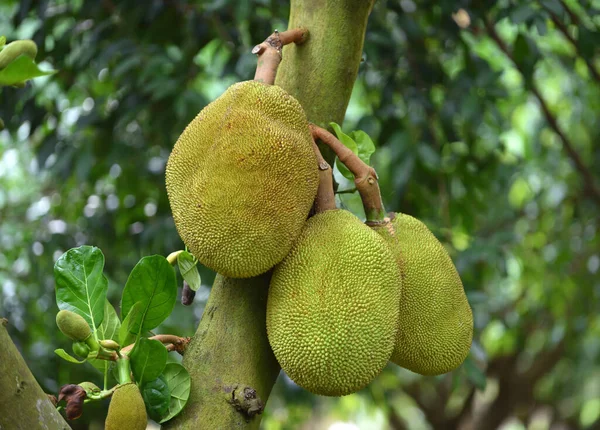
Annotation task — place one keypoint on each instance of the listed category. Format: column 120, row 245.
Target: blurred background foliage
column 485, row 115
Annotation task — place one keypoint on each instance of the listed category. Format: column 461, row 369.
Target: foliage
column 149, row 294
column 484, row 115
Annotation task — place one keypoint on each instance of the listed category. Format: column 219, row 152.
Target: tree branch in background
column 589, row 181
column 565, row 31
column 269, row 53
column 572, row 15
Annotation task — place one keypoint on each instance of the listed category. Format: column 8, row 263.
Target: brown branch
column 572, row 15
column 176, row 343
column 588, row 178
column 395, row 421
column 565, row 31
column 325, row 199
column 365, row 177
column 269, row 52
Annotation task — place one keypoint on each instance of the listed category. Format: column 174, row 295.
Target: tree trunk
column 321, row 72
column 230, row 351
column 25, row 406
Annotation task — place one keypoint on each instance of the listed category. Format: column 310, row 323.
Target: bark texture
column 321, row 72
column 229, row 357
column 25, row 406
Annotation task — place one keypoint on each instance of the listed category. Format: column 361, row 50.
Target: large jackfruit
column 436, row 321
column 127, row 409
column 242, row 178
column 333, row 305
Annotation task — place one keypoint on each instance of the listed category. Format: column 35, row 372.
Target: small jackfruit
column 81, row 349
column 126, row 409
column 242, row 178
column 73, row 325
column 333, row 305
column 15, row 49
column 436, row 321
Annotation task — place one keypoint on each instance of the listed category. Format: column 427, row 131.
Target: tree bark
column 25, row 406
column 321, row 72
column 230, row 351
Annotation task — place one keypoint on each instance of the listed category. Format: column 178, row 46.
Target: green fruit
column 436, row 322
column 242, row 178
column 333, row 305
column 14, row 49
column 81, row 349
column 127, row 409
column 73, row 325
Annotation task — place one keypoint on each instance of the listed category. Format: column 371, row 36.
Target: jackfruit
column 126, row 409
column 333, row 305
column 242, row 178
column 81, row 349
column 436, row 321
column 73, row 325
column 15, row 49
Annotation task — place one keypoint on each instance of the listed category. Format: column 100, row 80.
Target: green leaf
column 474, row 374
column 526, row 55
column 109, row 329
column 152, row 282
column 65, row 356
column 178, row 380
column 189, row 270
column 148, row 360
column 520, row 193
column 157, row 397
column 131, row 325
column 348, row 142
column 522, row 13
column 2, row 41
column 80, row 285
column 587, row 42
column 554, row 6
column 365, row 145
column 21, row 69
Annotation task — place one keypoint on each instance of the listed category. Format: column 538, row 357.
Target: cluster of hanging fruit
column 251, row 193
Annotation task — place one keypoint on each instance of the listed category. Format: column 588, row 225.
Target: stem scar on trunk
column 269, row 52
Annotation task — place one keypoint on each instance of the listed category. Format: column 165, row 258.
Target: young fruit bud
column 15, row 49
column 81, row 349
column 73, row 325
column 110, row 344
column 127, row 409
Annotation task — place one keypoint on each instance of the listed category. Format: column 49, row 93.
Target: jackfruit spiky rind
column 242, row 178
column 333, row 305
column 73, row 325
column 436, row 321
column 126, row 409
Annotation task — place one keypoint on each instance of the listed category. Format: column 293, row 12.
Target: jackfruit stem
column 365, row 177
column 269, row 52
column 325, row 199
column 123, row 370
